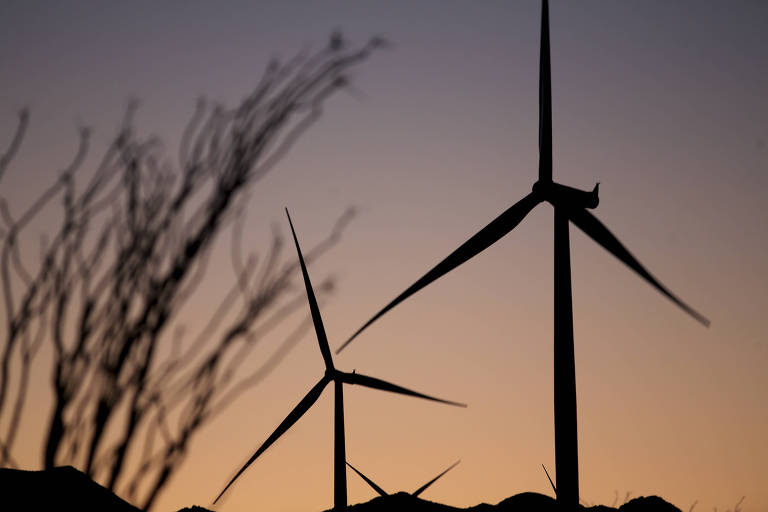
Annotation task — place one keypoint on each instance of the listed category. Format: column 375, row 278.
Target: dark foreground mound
column 62, row 489
column 524, row 502
column 65, row 489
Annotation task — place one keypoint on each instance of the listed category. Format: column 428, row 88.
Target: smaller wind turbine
column 415, row 493
column 338, row 378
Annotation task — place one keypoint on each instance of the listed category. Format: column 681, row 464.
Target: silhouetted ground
column 66, row 489
column 61, row 489
column 524, row 502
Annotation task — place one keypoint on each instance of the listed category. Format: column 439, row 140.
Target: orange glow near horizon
column 664, row 104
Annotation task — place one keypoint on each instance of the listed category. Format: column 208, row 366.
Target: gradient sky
column 664, row 102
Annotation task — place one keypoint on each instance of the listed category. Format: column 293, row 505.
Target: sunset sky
column 664, row 102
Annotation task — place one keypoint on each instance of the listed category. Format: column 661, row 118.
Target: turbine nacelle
column 563, row 195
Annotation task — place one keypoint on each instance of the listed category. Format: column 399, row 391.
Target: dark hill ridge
column 524, row 502
column 61, row 489
column 65, row 489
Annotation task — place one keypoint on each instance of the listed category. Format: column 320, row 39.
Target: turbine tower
column 570, row 204
column 415, row 493
column 338, row 378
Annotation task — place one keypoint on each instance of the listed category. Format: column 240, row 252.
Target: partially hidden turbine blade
column 370, row 482
column 371, row 382
column 596, row 230
column 554, row 489
column 484, row 238
column 424, row 487
column 287, row 423
column 322, row 339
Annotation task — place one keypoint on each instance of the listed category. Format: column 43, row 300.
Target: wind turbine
column 415, row 493
column 338, row 378
column 570, row 204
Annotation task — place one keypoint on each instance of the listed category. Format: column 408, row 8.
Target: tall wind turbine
column 415, row 493
column 338, row 378
column 570, row 204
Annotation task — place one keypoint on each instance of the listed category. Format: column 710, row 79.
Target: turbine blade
column 545, row 99
column 424, row 487
column 363, row 380
column 554, row 489
column 595, row 229
column 287, row 423
column 322, row 339
column 484, row 238
column 370, row 482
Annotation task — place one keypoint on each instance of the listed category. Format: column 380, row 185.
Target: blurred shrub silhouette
column 131, row 248
column 736, row 508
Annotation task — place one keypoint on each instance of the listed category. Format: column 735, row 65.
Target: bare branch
column 107, row 290
column 18, row 137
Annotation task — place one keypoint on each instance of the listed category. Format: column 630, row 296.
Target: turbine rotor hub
column 563, row 195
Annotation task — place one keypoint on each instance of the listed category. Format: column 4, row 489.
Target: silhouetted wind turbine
column 569, row 204
column 338, row 378
column 415, row 493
